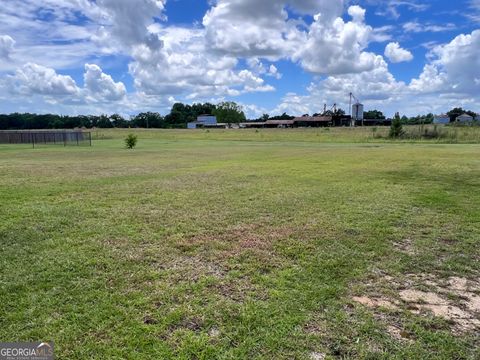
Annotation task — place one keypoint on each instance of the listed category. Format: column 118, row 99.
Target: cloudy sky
column 272, row 56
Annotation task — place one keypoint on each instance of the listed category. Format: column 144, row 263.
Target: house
column 441, row 119
column 464, row 118
column 203, row 121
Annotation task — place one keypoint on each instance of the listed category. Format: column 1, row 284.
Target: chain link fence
column 50, row 137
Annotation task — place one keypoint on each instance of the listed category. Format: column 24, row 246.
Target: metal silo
column 357, row 111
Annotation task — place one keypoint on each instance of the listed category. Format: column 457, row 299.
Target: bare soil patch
column 241, row 237
column 405, row 246
column 317, row 356
column 455, row 299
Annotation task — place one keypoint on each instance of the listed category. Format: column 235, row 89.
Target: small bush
column 131, row 141
column 396, row 130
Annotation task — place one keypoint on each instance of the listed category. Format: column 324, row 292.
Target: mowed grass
column 213, row 248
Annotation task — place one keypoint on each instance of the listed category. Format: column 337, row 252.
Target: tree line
column 420, row 119
column 179, row 116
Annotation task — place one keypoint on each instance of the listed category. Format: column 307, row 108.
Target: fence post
column 77, row 137
column 33, row 139
column 64, row 139
column 90, row 137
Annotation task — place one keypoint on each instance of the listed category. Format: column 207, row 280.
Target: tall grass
column 415, row 133
column 444, row 134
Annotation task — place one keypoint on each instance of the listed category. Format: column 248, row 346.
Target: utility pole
column 350, row 105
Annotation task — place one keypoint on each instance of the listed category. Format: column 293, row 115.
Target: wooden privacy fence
column 50, row 137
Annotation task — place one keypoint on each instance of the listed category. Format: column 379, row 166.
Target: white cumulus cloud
column 100, row 86
column 396, row 54
column 37, row 79
column 454, row 67
column 337, row 47
column 6, row 46
column 126, row 22
column 375, row 88
column 250, row 28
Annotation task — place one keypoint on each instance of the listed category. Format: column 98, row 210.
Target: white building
column 464, row 118
column 203, row 121
column 441, row 119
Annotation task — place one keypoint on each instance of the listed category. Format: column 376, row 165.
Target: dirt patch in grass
column 454, row 299
column 317, row 356
column 149, row 320
column 224, row 262
column 375, row 302
column 405, row 246
column 238, row 290
column 193, row 268
column 194, row 324
column 316, row 325
column 234, row 240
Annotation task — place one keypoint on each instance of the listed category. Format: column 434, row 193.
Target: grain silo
column 357, row 111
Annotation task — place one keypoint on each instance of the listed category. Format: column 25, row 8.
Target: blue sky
column 271, row 56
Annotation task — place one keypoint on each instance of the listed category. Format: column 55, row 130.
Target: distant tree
column 429, row 118
column 148, row 120
column 284, row 116
column 84, row 121
column 4, row 122
column 336, row 112
column 396, row 129
column 104, row 122
column 374, row 114
column 418, row 120
column 263, row 118
column 178, row 117
column 94, row 120
column 456, row 112
column 202, row 109
column 58, row 124
column 181, row 114
column 229, row 112
column 118, row 121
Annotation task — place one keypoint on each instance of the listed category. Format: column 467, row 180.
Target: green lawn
column 199, row 245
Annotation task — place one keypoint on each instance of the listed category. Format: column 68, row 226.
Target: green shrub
column 396, row 130
column 131, row 141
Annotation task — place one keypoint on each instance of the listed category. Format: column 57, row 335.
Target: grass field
column 287, row 245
